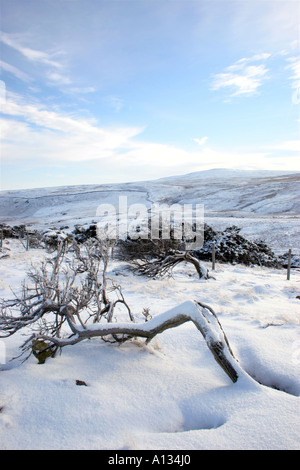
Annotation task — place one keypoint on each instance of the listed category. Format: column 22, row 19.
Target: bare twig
column 77, row 277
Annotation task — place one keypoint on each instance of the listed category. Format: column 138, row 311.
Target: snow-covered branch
column 203, row 317
column 71, row 292
column 164, row 264
column 74, row 278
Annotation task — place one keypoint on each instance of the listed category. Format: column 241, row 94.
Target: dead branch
column 74, row 277
column 201, row 315
column 159, row 267
column 70, row 289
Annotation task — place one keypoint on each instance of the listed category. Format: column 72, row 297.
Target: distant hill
column 265, row 204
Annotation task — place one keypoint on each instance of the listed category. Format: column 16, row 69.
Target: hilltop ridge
column 265, row 204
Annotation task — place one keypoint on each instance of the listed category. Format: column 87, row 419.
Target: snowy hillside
column 170, row 393
column 265, row 204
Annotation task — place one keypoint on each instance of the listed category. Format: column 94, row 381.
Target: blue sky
column 105, row 91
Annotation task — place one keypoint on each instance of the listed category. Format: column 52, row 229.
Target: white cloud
column 289, row 145
column 115, row 103
column 200, row 141
column 243, row 78
column 151, row 157
column 294, row 66
column 81, row 90
column 49, row 134
column 14, row 71
column 32, row 55
column 159, row 155
column 53, row 70
column 58, row 78
column 35, row 134
column 238, row 65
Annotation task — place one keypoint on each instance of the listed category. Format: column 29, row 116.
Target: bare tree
column 156, row 258
column 161, row 266
column 76, row 277
column 69, row 293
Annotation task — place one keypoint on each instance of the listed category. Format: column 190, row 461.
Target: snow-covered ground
column 265, row 204
column 170, row 394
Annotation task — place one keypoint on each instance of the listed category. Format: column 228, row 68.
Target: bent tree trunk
column 203, row 317
column 164, row 264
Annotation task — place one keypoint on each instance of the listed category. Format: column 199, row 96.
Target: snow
column 252, row 200
column 170, row 394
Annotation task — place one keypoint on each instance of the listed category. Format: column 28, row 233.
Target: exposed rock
column 295, row 260
column 232, row 247
column 84, row 232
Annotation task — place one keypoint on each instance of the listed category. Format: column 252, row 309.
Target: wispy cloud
column 57, row 78
column 62, row 139
column 33, row 55
column 52, row 70
column 14, row 71
column 294, row 66
column 243, row 77
column 82, row 90
column 57, row 136
column 115, row 103
column 200, row 141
